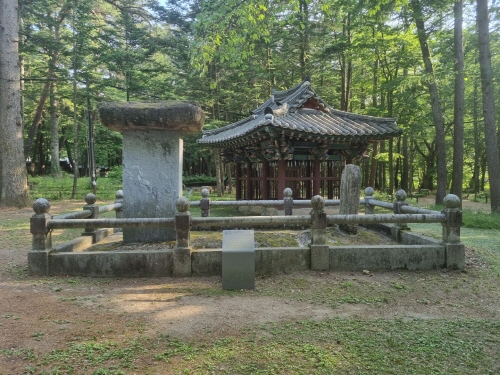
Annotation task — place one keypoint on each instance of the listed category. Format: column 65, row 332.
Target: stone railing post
column 182, row 249
column 288, row 201
column 398, row 227
column 90, row 199
column 119, row 211
column 400, row 202
column 455, row 250
column 205, row 203
column 369, row 209
column 38, row 257
column 320, row 253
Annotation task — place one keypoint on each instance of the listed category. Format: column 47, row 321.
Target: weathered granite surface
column 152, row 159
column 350, row 188
column 182, row 116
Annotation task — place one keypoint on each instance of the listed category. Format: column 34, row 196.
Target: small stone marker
column 238, row 259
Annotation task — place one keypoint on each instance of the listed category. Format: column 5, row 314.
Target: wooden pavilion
column 298, row 141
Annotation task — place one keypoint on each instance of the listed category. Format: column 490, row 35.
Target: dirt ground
column 50, row 312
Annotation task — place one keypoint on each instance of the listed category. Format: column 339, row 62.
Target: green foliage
column 480, row 220
column 55, row 189
column 198, row 180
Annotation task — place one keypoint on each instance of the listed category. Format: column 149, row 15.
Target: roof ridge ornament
column 268, row 113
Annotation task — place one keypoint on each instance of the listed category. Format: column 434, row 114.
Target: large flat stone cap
column 180, row 116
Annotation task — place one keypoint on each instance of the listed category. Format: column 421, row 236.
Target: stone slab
column 387, row 257
column 174, row 115
column 238, row 259
column 320, row 257
column 138, row 263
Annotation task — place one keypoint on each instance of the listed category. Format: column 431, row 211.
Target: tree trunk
column 435, row 104
column 405, row 185
column 376, row 66
column 55, row 170
column 459, row 102
column 304, row 42
column 346, row 68
column 13, row 175
column 390, row 161
column 373, row 166
column 218, row 172
column 229, row 178
column 477, row 147
column 490, row 132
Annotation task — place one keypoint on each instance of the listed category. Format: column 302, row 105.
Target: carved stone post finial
column 400, row 202
column 369, row 209
column 205, row 203
column 90, row 199
column 38, row 257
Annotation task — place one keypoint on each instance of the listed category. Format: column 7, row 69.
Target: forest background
column 430, row 64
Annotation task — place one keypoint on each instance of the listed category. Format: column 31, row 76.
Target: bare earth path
column 38, row 315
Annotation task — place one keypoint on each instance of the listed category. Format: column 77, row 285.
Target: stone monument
column 350, row 190
column 152, row 159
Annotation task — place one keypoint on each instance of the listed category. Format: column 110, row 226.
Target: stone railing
column 42, row 224
column 288, row 203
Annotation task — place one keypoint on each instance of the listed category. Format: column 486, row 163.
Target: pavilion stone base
column 152, row 181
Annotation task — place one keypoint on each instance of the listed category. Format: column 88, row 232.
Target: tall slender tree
column 488, row 94
column 437, row 113
column 458, row 110
column 13, row 176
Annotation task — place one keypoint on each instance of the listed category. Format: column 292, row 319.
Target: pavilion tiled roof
column 301, row 112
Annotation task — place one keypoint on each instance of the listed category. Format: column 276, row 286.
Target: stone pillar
column 350, row 186
column 182, row 250
column 320, row 253
column 369, row 209
column 38, row 256
column 90, row 199
column 152, row 159
column 119, row 211
column 205, row 203
column 455, row 250
column 288, row 202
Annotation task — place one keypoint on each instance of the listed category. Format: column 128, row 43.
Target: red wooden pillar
column 237, row 177
column 265, row 180
column 249, row 195
column 281, row 178
column 316, row 177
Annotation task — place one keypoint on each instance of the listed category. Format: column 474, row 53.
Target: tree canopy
column 382, row 58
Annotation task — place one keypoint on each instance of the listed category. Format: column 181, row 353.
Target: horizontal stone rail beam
column 377, row 219
column 74, row 215
column 111, row 223
column 110, row 207
column 388, row 205
column 248, row 221
column 417, row 210
column 269, row 203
